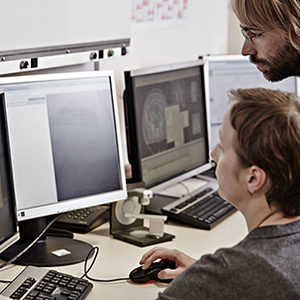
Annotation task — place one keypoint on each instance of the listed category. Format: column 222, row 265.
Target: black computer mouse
column 142, row 276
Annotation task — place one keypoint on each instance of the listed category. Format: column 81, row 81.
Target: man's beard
column 284, row 64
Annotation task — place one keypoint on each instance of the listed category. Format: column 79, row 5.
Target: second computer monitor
column 225, row 72
column 9, row 230
column 166, row 123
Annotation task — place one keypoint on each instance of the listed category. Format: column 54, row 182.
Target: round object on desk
column 130, row 205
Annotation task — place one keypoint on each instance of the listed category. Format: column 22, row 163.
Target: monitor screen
column 225, row 72
column 9, row 230
column 65, row 143
column 166, row 123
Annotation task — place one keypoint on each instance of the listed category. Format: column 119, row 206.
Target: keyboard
column 204, row 209
column 35, row 283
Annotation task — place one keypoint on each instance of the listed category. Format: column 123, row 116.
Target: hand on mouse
column 181, row 260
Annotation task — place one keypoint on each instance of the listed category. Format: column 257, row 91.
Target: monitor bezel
column 15, row 236
column 131, row 133
column 84, row 202
column 10, row 241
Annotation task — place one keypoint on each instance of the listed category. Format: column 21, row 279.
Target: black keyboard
column 203, row 210
column 35, row 283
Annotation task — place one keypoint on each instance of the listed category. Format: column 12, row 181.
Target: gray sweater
column 265, row 265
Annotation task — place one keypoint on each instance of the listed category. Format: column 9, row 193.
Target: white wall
column 235, row 38
column 34, row 28
column 206, row 32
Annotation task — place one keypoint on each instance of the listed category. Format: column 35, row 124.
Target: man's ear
column 257, row 178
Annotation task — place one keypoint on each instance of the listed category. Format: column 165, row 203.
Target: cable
column 96, row 249
column 5, row 281
column 187, row 189
column 30, row 245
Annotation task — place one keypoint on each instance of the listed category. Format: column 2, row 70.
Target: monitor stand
column 48, row 251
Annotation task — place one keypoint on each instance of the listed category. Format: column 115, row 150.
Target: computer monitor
column 65, row 152
column 225, row 72
column 166, row 125
column 9, row 230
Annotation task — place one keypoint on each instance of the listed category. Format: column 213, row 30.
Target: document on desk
column 182, row 189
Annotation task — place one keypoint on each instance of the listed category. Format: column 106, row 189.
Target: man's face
column 273, row 55
column 229, row 173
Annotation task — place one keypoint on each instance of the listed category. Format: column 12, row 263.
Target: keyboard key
column 181, row 205
column 80, row 287
column 191, row 200
column 201, row 194
column 221, row 212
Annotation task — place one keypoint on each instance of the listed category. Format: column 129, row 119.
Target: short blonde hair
column 268, row 135
column 266, row 15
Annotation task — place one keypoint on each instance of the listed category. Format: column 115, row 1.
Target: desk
column 117, row 258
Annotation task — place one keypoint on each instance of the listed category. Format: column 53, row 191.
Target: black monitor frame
column 132, row 124
column 9, row 232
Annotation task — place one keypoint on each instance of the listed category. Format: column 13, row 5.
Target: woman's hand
column 181, row 260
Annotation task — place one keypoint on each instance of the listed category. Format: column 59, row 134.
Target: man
column 272, row 35
column 258, row 161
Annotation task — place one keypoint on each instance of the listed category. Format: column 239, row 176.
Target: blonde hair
column 266, row 15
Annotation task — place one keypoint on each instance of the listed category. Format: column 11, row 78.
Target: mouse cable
column 95, row 251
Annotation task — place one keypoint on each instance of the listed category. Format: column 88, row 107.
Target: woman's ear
column 257, row 178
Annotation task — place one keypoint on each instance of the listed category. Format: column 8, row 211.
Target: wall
column 206, row 32
column 235, row 38
column 36, row 28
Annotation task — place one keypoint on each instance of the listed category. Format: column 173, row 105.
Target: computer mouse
column 142, row 276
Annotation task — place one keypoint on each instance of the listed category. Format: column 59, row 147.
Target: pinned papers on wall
column 150, row 15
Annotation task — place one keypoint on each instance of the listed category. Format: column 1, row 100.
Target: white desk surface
column 117, row 258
